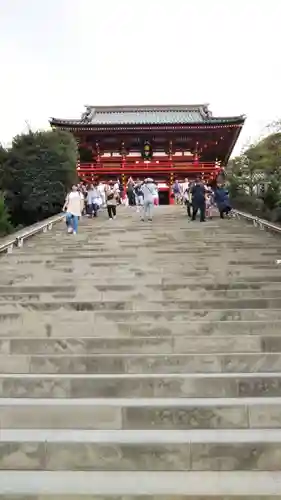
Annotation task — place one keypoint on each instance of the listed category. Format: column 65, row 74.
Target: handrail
column 257, row 222
column 17, row 239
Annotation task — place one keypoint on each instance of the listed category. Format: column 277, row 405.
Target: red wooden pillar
column 171, row 183
column 171, row 180
column 98, row 153
column 171, row 197
column 78, row 164
column 196, row 155
column 123, row 163
column 196, row 159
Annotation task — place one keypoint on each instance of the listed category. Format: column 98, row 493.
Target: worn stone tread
column 150, row 351
column 141, row 436
column 248, row 484
column 195, row 362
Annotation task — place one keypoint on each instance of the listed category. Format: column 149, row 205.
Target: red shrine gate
column 163, row 142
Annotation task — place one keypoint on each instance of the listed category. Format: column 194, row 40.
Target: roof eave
column 235, row 138
column 239, row 121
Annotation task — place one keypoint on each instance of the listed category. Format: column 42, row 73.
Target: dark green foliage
column 5, row 224
column 40, row 167
column 3, row 159
column 254, row 178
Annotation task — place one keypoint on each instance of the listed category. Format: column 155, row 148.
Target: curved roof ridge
column 146, row 107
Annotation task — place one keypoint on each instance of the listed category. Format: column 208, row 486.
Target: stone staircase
column 142, row 361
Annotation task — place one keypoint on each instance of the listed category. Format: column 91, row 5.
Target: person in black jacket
column 198, row 192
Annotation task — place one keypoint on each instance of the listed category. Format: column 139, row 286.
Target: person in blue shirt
column 222, row 201
column 177, row 192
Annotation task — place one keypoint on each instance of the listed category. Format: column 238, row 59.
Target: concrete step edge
column 233, row 483
column 142, row 402
column 135, row 338
column 220, row 286
column 155, row 436
column 66, row 303
column 140, row 376
column 144, row 356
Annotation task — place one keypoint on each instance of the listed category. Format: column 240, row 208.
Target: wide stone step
column 123, row 285
column 102, row 316
column 53, row 277
column 142, row 294
column 136, row 363
column 140, row 413
column 181, row 295
column 41, row 326
column 150, row 450
column 142, row 385
column 157, row 344
column 196, row 255
column 125, row 485
column 166, row 305
column 124, row 269
column 208, row 264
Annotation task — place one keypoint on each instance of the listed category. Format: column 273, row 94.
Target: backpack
column 138, row 191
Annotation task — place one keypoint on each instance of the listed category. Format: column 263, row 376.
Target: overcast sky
column 58, row 55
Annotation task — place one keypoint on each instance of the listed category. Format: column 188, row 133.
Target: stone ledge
column 205, row 484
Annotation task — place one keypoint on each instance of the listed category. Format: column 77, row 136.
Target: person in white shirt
column 73, row 206
column 185, row 186
column 117, row 191
column 93, row 199
column 149, row 193
column 101, row 190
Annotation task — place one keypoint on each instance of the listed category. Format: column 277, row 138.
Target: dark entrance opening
column 164, row 198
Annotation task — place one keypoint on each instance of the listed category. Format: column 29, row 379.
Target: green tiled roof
column 143, row 117
column 147, row 115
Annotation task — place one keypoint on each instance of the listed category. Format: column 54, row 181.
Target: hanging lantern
column 147, row 151
column 170, row 149
column 196, row 157
column 98, row 151
column 123, row 150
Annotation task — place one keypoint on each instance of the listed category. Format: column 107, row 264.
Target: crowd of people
column 89, row 199
column 200, row 197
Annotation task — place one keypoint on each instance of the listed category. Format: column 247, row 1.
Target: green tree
column 266, row 155
column 256, row 174
column 5, row 224
column 3, row 159
column 40, row 167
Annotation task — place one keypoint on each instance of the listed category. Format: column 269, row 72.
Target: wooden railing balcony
column 152, row 167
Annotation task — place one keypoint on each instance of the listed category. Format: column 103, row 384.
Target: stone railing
column 17, row 239
column 257, row 221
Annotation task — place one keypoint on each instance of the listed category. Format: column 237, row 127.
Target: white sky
column 57, row 55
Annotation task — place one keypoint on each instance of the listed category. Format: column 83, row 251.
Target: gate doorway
column 164, row 197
